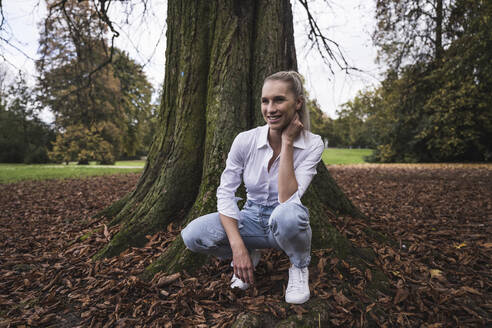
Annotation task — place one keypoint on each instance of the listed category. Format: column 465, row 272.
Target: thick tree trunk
column 218, row 54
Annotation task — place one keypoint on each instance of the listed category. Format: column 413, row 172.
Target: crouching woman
column 277, row 162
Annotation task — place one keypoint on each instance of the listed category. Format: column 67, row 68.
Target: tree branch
column 7, row 42
column 2, row 21
column 103, row 14
column 101, row 8
column 324, row 44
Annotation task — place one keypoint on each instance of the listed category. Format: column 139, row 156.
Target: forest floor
column 440, row 267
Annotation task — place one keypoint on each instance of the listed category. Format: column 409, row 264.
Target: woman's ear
column 299, row 102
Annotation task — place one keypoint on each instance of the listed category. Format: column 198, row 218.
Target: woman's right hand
column 243, row 267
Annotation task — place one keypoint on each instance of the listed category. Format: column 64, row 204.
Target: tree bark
column 218, row 54
column 438, row 37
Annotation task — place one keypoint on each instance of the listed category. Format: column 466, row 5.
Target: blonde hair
column 295, row 81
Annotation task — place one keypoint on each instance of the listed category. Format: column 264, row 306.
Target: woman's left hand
column 292, row 130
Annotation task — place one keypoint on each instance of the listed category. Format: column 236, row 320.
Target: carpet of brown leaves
column 440, row 267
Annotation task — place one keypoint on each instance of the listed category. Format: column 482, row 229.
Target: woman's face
column 278, row 104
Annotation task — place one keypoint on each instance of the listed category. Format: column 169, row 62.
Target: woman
column 277, row 162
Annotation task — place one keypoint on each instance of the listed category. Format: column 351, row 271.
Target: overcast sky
column 348, row 22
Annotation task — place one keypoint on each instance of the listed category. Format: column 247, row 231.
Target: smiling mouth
column 273, row 118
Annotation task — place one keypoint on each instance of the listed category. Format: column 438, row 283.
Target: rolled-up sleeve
column 231, row 179
column 306, row 170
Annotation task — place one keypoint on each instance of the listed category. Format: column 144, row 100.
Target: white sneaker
column 298, row 288
column 238, row 283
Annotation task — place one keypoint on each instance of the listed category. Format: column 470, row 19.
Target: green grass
column 17, row 172
column 345, row 155
column 130, row 163
column 138, row 163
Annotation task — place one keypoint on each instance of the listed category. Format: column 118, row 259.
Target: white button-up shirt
column 248, row 159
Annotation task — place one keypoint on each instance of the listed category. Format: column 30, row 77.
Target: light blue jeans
column 288, row 230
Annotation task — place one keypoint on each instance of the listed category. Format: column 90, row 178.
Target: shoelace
column 298, row 281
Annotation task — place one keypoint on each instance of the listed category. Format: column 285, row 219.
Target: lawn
column 345, row 155
column 130, row 163
column 17, row 172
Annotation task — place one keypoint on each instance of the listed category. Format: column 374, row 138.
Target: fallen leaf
column 340, row 298
column 369, row 307
column 166, row 280
column 471, row 290
column 401, row 295
column 106, row 233
column 458, row 246
column 436, row 274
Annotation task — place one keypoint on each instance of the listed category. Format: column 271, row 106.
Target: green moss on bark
column 112, row 210
column 175, row 259
column 168, row 185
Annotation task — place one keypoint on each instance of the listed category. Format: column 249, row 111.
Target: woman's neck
column 275, row 139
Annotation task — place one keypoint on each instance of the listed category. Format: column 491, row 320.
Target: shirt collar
column 262, row 140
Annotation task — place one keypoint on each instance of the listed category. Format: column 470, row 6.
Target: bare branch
column 101, row 8
column 7, row 42
column 2, row 21
column 103, row 14
column 325, row 45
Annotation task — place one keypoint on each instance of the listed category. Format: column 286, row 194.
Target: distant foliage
column 411, row 31
column 80, row 144
column 354, row 127
column 320, row 122
column 435, row 103
column 24, row 138
column 136, row 102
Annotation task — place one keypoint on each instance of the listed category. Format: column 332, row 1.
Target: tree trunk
column 438, row 37
column 218, row 54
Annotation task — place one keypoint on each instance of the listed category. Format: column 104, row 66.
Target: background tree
column 112, row 101
column 459, row 110
column 439, row 103
column 360, row 122
column 72, row 44
column 349, row 125
column 24, row 138
column 320, row 122
column 410, row 32
column 136, row 102
column 369, row 116
column 80, row 144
